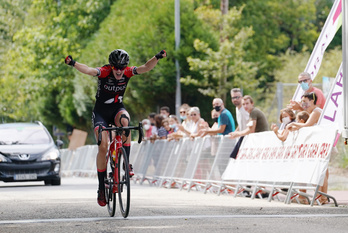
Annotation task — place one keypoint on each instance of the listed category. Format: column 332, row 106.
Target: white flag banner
column 331, row 26
column 302, row 158
column 333, row 109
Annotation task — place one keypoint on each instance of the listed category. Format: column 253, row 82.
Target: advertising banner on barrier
column 333, row 109
column 302, row 158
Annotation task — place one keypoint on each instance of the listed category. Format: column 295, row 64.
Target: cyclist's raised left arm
column 150, row 64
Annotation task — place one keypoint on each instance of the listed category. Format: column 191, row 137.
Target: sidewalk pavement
column 338, row 187
column 341, row 196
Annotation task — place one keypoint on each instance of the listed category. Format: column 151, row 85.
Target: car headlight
column 2, row 159
column 51, row 155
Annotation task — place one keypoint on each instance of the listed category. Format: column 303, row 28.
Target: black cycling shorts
column 105, row 114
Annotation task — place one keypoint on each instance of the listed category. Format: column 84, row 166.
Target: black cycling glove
column 160, row 54
column 72, row 62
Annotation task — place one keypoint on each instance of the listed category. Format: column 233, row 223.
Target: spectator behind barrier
column 151, row 117
column 257, row 123
column 164, row 130
column 197, row 123
column 286, row 116
column 184, row 108
column 305, row 80
column 226, row 123
column 308, row 103
column 158, row 125
column 215, row 117
column 173, row 123
column 148, row 128
column 241, row 115
column 186, row 123
column 165, row 112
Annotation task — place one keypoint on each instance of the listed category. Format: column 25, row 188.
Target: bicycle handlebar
column 120, row 130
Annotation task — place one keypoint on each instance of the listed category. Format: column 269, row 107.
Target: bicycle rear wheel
column 123, row 185
column 109, row 194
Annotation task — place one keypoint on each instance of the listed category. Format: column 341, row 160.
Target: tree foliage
column 228, row 66
column 35, row 37
column 37, row 82
column 143, row 32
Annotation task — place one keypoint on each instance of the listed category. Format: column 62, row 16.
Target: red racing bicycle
column 118, row 178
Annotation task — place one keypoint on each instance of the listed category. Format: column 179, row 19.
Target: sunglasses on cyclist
column 118, row 68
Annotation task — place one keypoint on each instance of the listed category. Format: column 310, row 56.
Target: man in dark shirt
column 257, row 119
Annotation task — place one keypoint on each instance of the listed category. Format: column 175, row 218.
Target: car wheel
column 55, row 181
column 47, row 182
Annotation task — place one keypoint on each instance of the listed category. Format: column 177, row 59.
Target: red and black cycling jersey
column 110, row 90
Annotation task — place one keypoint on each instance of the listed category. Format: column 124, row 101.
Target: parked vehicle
column 28, row 153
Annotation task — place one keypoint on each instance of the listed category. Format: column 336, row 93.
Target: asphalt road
column 72, row 207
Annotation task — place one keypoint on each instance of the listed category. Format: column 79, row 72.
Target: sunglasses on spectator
column 303, row 81
column 118, row 68
column 236, row 97
column 182, row 112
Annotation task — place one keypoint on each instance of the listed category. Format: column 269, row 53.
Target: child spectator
column 173, row 123
column 286, row 116
column 301, row 117
column 158, row 124
column 164, row 130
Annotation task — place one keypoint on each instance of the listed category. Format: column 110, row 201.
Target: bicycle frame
column 117, row 183
column 114, row 146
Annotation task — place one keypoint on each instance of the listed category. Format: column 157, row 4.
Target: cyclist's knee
column 124, row 119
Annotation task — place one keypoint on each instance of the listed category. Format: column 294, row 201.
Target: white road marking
column 27, row 221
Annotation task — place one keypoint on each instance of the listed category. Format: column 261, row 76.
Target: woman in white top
column 308, row 102
column 197, row 123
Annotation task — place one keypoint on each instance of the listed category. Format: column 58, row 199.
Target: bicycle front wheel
column 109, row 194
column 123, row 184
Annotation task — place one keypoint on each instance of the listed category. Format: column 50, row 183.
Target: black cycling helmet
column 119, row 58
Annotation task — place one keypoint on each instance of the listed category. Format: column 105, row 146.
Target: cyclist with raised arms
column 109, row 109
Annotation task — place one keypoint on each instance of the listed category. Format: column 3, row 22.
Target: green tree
column 228, row 66
column 142, row 32
column 40, row 86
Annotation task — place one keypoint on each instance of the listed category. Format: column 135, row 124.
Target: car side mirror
column 59, row 143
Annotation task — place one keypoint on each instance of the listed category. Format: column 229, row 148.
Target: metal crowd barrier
column 185, row 164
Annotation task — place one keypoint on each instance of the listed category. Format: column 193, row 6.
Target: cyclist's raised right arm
column 81, row 67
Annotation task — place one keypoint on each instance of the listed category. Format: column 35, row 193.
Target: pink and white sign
column 331, row 26
column 302, row 158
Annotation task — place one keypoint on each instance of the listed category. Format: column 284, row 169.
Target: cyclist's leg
column 122, row 119
column 101, row 156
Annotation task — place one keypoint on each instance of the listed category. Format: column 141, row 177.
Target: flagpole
column 327, row 34
column 345, row 64
column 177, row 65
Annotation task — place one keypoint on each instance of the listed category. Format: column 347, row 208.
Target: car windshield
column 23, row 135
